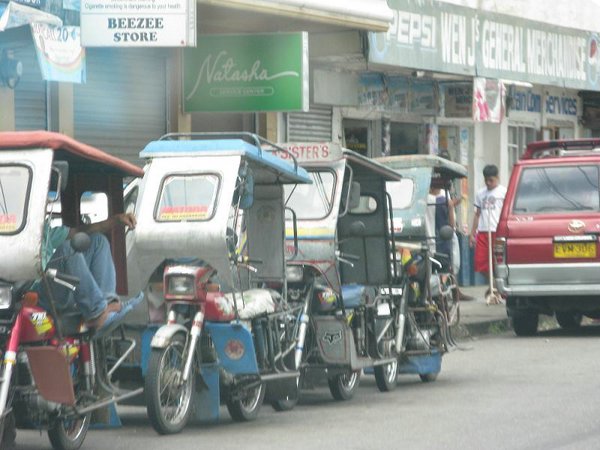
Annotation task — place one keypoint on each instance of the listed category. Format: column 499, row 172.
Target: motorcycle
column 53, row 372
column 428, row 274
column 211, row 218
column 352, row 312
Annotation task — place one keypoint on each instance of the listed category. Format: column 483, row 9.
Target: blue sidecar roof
column 286, row 172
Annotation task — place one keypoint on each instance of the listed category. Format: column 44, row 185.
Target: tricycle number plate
column 574, row 249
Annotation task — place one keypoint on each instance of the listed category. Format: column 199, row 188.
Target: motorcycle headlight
column 294, row 274
column 180, row 285
column 5, row 296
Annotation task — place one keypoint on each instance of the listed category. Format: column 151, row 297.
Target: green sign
column 253, row 72
column 437, row 36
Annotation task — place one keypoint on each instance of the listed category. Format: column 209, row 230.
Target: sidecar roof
column 444, row 167
column 286, row 172
column 68, row 149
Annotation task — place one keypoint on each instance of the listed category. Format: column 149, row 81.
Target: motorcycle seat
column 253, row 302
column 355, row 295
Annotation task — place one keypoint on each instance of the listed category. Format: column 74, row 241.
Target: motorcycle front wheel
column 69, row 434
column 247, row 407
column 168, row 398
column 8, row 432
column 343, row 386
column 385, row 376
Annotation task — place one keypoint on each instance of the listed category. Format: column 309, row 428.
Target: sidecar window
column 312, row 201
column 15, row 182
column 402, row 192
column 187, row 198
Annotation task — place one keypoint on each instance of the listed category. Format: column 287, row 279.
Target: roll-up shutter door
column 312, row 126
column 30, row 94
column 123, row 104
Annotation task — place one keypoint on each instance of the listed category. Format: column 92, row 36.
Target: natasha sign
column 433, row 35
column 140, row 23
column 254, row 72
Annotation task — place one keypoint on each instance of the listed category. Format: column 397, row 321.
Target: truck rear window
column 557, row 189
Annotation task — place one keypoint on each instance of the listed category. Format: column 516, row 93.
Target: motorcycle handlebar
column 68, row 281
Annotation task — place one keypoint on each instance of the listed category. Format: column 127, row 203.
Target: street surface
column 500, row 392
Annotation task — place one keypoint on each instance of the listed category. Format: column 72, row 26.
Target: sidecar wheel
column 429, row 377
column 342, row 387
column 385, row 376
column 69, row 434
column 288, row 403
column 169, row 403
column 8, row 433
column 247, row 408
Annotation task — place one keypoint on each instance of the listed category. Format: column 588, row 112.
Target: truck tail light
column 500, row 250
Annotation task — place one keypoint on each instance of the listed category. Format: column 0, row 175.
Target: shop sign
column 437, row 36
column 310, row 151
column 140, row 23
column 524, row 100
column 488, row 100
column 457, row 99
column 253, row 72
column 560, row 104
column 372, row 92
column 422, row 97
column 398, row 93
column 59, row 52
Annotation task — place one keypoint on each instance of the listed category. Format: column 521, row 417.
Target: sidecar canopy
column 281, row 171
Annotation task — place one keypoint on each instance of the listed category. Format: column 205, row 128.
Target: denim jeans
column 97, row 280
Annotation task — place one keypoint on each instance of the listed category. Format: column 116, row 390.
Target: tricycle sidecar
column 427, row 259
column 53, row 372
column 211, row 227
column 341, row 274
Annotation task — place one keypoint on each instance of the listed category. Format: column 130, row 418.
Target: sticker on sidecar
column 8, row 223
column 41, row 322
column 234, row 349
column 181, row 213
column 332, row 338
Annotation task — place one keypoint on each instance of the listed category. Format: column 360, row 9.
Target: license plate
column 574, row 249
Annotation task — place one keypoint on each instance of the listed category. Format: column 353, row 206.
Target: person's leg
column 88, row 296
column 99, row 260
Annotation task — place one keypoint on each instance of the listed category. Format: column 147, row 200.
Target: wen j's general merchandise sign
column 139, row 23
column 254, row 72
column 432, row 35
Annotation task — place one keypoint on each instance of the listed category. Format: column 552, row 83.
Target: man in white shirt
column 488, row 205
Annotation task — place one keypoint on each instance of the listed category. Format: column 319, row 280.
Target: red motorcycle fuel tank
column 37, row 325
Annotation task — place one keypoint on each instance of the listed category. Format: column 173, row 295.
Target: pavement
column 477, row 318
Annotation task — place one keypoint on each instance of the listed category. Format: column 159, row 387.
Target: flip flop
column 115, row 317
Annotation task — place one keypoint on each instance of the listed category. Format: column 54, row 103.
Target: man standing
column 488, row 205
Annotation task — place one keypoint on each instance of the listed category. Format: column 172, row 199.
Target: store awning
column 370, row 15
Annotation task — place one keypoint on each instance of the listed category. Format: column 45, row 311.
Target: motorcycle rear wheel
column 69, row 434
column 168, row 402
column 343, row 386
column 246, row 409
column 385, row 376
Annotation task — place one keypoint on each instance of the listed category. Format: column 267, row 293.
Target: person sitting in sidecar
column 95, row 297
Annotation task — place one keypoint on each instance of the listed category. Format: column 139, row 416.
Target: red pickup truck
column 546, row 247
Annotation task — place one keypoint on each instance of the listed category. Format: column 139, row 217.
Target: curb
column 476, row 329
